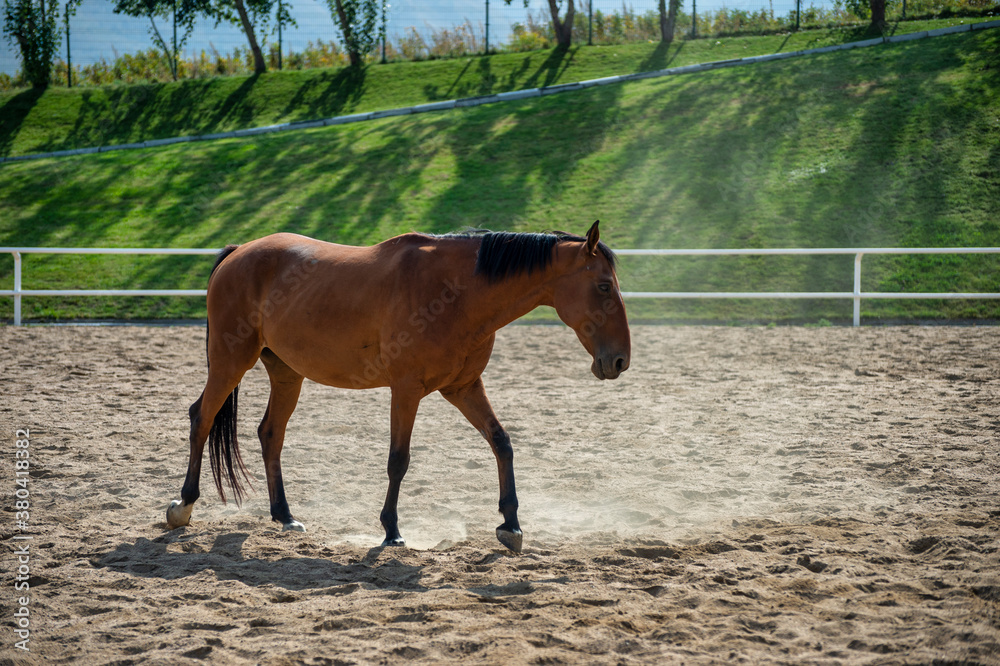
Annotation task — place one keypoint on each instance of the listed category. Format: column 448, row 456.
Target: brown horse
column 415, row 313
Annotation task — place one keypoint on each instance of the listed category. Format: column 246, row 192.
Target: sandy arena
column 756, row 495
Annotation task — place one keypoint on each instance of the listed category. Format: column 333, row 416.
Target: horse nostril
column 620, row 364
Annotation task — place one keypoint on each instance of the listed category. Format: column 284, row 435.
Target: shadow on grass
column 483, row 80
column 117, row 115
column 550, row 71
column 234, row 111
column 510, row 160
column 331, row 93
column 13, row 115
column 661, row 57
column 432, row 93
column 122, row 114
column 781, row 47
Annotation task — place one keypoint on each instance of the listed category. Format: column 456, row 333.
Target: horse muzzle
column 609, row 366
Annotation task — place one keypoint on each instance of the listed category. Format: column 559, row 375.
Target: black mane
column 503, row 254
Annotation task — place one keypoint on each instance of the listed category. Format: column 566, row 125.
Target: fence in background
column 18, row 292
column 855, row 295
column 98, row 33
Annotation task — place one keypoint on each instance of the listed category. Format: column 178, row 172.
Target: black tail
column 223, row 446
column 224, row 451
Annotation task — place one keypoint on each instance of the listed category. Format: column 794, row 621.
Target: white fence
column 18, row 292
column 855, row 295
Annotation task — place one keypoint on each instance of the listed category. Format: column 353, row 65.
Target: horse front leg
column 403, row 414
column 475, row 406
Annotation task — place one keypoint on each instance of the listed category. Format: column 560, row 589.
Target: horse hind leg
column 285, row 387
column 179, row 511
column 214, row 413
column 217, row 403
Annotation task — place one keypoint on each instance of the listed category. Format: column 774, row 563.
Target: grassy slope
column 61, row 118
column 898, row 145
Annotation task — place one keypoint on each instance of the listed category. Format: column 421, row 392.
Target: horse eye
column 604, row 288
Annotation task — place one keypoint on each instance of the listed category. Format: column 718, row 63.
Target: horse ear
column 593, row 235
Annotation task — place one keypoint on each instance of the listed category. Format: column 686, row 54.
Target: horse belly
column 328, row 337
column 355, row 369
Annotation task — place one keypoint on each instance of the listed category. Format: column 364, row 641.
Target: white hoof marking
column 511, row 540
column 294, row 526
column 178, row 515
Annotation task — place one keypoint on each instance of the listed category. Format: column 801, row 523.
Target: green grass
column 63, row 118
column 897, row 145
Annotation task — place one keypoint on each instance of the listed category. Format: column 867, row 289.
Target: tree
column 562, row 28
column 34, row 26
column 251, row 16
column 878, row 14
column 259, row 66
column 359, row 26
column 668, row 20
column 248, row 14
column 183, row 12
column 873, row 8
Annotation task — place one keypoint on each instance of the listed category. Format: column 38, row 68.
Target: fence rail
column 857, row 295
column 18, row 292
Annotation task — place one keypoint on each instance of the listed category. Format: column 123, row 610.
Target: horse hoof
column 511, row 539
column 398, row 541
column 294, row 526
column 178, row 514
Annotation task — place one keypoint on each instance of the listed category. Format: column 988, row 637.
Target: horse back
column 342, row 315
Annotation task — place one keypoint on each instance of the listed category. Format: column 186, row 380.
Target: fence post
column 384, row 30
column 694, row 18
column 175, row 55
column 279, row 38
column 590, row 22
column 857, row 288
column 17, row 288
column 69, row 59
column 486, row 47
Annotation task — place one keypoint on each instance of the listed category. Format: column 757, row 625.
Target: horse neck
column 512, row 298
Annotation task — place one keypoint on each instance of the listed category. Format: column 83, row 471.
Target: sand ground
column 756, row 495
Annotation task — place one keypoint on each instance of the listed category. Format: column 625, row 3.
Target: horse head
column 587, row 298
